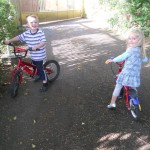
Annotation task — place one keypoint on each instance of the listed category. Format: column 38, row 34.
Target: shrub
column 8, row 23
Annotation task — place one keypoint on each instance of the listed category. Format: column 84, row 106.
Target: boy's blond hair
column 32, row 16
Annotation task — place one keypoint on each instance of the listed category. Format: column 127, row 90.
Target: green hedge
column 8, row 24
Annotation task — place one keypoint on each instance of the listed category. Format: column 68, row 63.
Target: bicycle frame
column 22, row 65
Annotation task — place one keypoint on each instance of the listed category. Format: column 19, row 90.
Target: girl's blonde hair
column 139, row 33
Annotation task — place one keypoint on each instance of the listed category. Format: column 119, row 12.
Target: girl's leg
column 115, row 94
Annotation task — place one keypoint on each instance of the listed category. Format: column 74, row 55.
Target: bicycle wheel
column 52, row 69
column 15, row 84
column 135, row 109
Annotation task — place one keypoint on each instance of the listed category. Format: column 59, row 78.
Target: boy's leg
column 42, row 75
column 37, row 76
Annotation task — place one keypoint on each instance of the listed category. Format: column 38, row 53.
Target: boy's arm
column 16, row 38
column 39, row 46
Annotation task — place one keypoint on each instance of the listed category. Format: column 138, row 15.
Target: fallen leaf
column 15, row 118
column 33, row 146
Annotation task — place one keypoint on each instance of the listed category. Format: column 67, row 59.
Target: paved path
column 72, row 115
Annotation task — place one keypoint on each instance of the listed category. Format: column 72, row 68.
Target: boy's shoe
column 44, row 87
column 111, row 106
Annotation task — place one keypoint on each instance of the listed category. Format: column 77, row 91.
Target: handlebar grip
column 30, row 49
column 10, row 44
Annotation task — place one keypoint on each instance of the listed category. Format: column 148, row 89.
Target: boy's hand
column 108, row 61
column 6, row 42
column 34, row 48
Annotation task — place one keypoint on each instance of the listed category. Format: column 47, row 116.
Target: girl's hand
column 108, row 61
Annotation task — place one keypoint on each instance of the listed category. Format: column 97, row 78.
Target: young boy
column 35, row 38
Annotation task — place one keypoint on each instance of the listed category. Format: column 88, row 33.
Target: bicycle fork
column 136, row 102
column 14, row 72
column 131, row 95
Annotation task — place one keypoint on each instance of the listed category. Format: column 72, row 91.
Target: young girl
column 133, row 56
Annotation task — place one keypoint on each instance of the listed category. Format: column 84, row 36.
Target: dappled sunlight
column 110, row 137
column 107, row 141
column 78, row 42
column 82, row 49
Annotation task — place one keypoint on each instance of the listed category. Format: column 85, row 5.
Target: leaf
column 15, row 118
column 33, row 145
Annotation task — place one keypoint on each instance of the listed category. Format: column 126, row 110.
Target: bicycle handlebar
column 120, row 64
column 18, row 50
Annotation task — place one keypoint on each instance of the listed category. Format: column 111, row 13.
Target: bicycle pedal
column 128, row 108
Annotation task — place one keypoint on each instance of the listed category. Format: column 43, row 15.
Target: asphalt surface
column 72, row 114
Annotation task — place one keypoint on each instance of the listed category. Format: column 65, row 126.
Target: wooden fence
column 49, row 10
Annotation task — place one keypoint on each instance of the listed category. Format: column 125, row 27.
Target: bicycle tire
column 52, row 69
column 15, row 84
column 135, row 109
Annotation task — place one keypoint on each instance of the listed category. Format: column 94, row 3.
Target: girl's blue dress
column 130, row 74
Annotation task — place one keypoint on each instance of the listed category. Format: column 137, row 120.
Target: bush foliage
column 8, row 24
column 129, row 13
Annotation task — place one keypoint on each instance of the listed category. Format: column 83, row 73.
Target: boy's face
column 32, row 23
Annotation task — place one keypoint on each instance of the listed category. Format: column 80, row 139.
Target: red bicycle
column 51, row 67
column 130, row 95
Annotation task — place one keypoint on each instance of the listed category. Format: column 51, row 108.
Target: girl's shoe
column 111, row 106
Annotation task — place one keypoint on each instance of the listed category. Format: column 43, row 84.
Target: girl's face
column 32, row 23
column 133, row 40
